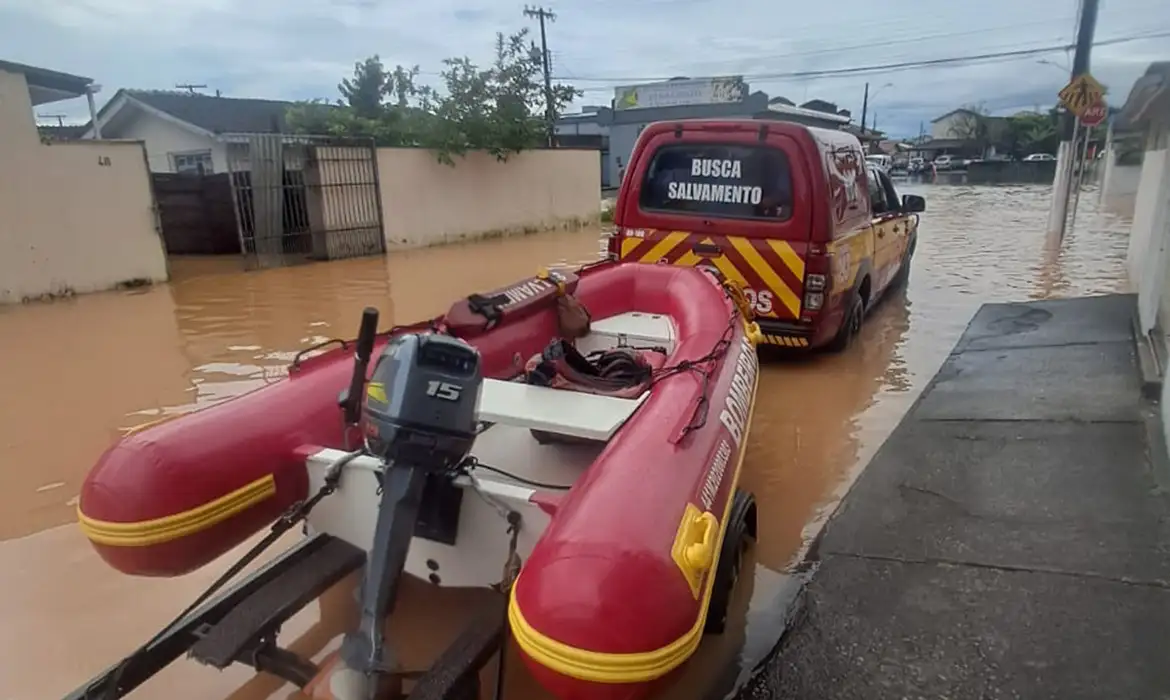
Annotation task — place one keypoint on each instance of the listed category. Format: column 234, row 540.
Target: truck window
column 877, row 193
column 893, row 202
column 727, row 181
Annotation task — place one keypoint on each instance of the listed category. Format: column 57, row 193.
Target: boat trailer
column 414, row 431
column 242, row 624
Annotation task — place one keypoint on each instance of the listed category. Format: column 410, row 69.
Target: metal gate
column 304, row 198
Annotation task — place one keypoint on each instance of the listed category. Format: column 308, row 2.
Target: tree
column 367, row 88
column 499, row 109
column 1032, row 132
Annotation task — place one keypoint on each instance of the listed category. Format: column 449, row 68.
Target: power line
column 901, row 40
column 895, row 67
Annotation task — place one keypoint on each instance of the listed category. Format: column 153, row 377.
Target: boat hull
column 614, row 596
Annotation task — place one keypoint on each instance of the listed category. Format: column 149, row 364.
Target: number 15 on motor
column 444, row 390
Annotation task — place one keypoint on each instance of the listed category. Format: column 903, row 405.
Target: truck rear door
column 725, row 198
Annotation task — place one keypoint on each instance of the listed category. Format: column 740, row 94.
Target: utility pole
column 189, row 87
column 549, row 112
column 864, row 107
column 1066, row 155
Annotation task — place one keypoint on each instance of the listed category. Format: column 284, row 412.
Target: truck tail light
column 817, row 278
column 611, row 244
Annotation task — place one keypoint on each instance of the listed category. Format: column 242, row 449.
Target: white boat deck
column 574, row 413
column 529, row 466
column 558, row 411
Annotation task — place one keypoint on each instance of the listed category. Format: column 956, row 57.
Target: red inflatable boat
column 632, row 522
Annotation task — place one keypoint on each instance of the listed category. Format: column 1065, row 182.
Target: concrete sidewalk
column 1009, row 540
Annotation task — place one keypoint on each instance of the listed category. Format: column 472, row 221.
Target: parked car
column 1039, row 157
column 782, row 209
column 945, row 163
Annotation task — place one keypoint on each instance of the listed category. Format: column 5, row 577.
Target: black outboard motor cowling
column 421, row 401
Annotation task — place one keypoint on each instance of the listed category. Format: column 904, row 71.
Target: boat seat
column 572, row 413
column 633, row 328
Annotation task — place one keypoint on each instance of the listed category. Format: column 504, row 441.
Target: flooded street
column 79, row 372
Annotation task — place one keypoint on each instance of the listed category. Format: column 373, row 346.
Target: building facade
column 1148, row 109
column 728, row 97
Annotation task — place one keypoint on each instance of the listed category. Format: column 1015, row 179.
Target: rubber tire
column 850, row 328
column 903, row 275
column 735, row 541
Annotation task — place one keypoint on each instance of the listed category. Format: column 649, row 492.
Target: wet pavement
column 81, row 371
column 1010, row 539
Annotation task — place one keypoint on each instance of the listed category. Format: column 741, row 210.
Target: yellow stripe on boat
column 172, row 527
column 636, row 667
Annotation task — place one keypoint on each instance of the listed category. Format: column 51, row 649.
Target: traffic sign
column 1095, row 114
column 1081, row 93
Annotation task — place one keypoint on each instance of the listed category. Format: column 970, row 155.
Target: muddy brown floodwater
column 78, row 372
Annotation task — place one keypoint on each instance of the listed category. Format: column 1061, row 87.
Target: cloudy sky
column 297, row 49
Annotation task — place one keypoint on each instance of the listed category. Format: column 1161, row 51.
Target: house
column 1148, row 109
column 966, row 133
column 188, row 132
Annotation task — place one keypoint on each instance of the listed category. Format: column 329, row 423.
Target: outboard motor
column 421, row 401
column 420, row 417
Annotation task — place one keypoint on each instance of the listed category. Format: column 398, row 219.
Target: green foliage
column 500, row 109
column 1033, row 132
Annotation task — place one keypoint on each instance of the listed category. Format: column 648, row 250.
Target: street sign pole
column 1079, row 88
column 1085, row 131
column 1084, row 100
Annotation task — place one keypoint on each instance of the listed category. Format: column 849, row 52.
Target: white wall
column 426, row 203
column 163, row 137
column 75, row 216
column 1146, row 236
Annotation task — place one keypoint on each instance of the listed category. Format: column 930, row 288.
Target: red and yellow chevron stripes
column 767, row 265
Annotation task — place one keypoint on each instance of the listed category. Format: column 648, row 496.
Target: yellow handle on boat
column 754, row 334
column 695, row 545
column 740, row 299
column 544, row 274
column 701, row 554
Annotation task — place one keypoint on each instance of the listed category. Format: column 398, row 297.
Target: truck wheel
column 740, row 529
column 903, row 275
column 850, row 327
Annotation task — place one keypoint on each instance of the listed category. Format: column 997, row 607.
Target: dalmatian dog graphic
column 844, row 169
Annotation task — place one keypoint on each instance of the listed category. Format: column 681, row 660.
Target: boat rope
column 511, row 573
column 109, row 688
column 703, row 366
column 469, row 465
column 435, row 325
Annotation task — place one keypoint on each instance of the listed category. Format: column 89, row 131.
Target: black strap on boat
column 490, row 308
column 109, row 689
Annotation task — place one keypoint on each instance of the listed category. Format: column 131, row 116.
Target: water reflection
column 78, row 372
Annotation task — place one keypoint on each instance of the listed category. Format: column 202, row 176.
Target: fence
column 196, row 214
column 304, row 198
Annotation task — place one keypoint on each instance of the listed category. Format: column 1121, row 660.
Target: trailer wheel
column 741, row 527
